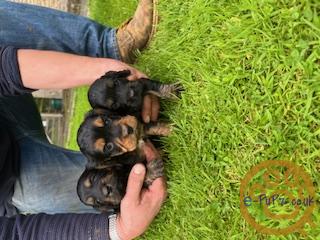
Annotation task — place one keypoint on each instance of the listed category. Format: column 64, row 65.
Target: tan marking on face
column 99, row 144
column 87, row 183
column 119, row 144
column 90, row 201
column 129, row 143
column 129, row 120
column 98, row 122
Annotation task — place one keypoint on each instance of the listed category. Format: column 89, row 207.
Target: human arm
column 24, row 70
column 48, row 69
column 55, row 227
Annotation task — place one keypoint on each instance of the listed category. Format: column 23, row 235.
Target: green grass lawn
column 251, row 72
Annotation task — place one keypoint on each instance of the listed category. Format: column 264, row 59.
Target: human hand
column 149, row 151
column 140, row 206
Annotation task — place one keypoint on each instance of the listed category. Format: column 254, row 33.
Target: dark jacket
column 38, row 226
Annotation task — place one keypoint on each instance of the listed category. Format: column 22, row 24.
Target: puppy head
column 102, row 188
column 102, row 136
column 114, row 92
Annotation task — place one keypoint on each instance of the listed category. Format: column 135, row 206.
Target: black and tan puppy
column 104, row 188
column 104, row 135
column 112, row 145
column 115, row 92
column 112, row 134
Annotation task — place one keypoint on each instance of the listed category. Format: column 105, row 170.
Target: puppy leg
column 170, row 91
column 158, row 129
column 155, row 169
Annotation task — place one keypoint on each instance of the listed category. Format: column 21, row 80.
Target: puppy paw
column 158, row 129
column 155, row 169
column 171, row 91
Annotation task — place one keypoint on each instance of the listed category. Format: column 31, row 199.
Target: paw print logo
column 277, row 197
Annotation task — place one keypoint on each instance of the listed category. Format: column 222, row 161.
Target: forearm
column 55, row 227
column 48, row 69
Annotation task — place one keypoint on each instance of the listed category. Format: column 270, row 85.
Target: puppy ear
column 80, row 192
column 120, row 74
column 90, row 113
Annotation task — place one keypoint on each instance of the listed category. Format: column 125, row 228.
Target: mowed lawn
column 251, row 73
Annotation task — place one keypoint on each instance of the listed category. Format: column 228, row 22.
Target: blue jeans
column 49, row 174
column 35, row 27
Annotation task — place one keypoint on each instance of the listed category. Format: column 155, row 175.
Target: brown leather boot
column 135, row 33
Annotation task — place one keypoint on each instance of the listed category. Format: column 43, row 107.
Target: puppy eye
column 108, row 147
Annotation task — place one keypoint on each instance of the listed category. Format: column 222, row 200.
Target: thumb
column 135, row 182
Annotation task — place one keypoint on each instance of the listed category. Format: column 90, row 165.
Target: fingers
column 158, row 189
column 159, row 184
column 146, row 109
column 135, row 74
column 155, row 107
column 135, row 183
column 150, row 151
column 150, row 109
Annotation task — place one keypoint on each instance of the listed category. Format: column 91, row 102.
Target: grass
column 101, row 11
column 251, row 72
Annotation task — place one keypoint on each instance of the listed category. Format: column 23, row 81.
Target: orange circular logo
column 277, row 197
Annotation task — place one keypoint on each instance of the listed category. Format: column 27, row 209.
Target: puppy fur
column 111, row 136
column 115, row 92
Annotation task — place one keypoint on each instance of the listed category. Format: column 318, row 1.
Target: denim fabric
column 48, row 179
column 35, row 27
column 48, row 173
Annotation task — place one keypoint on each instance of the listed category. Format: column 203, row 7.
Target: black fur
column 110, row 134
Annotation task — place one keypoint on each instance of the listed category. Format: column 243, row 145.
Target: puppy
column 112, row 134
column 104, row 135
column 112, row 145
column 104, row 188
column 115, row 92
